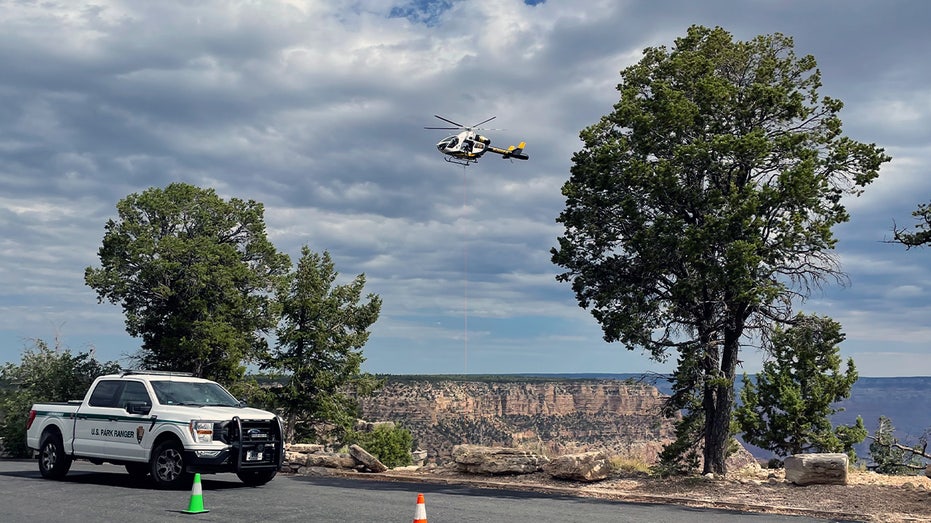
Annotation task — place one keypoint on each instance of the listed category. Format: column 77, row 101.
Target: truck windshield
column 169, row 392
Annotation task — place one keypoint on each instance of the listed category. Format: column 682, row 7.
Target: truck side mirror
column 242, row 403
column 138, row 407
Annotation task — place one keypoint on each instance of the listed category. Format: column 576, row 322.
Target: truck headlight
column 202, row 431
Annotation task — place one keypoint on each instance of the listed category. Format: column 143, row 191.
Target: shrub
column 44, row 374
column 391, row 445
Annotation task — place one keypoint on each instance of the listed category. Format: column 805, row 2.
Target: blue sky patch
column 422, row 11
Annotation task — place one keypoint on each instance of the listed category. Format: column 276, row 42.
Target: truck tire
column 53, row 462
column 167, row 466
column 255, row 478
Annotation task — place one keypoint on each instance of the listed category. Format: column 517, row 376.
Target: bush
column 43, row 375
column 391, row 445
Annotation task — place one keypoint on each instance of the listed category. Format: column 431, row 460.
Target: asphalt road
column 92, row 493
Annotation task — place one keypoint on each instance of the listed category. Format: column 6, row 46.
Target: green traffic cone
column 196, row 506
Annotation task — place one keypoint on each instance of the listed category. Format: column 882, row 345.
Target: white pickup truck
column 166, row 425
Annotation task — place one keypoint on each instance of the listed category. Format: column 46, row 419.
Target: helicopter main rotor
column 459, row 126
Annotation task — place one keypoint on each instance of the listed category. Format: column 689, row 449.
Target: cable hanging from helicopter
column 467, row 146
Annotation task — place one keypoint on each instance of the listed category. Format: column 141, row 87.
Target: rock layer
column 552, row 417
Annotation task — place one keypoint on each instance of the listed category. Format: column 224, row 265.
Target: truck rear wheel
column 167, row 466
column 255, row 478
column 53, row 462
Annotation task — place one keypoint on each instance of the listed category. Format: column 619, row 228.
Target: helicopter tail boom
column 512, row 151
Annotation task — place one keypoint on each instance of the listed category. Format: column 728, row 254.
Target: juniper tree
column 702, row 207
column 194, row 274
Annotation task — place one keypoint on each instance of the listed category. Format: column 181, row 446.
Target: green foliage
column 192, row 273
column 392, row 445
column 255, row 390
column 43, row 375
column 681, row 457
column 323, row 329
column 703, row 204
column 788, row 409
column 889, row 456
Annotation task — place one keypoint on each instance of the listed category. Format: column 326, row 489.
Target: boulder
column 477, row 459
column 817, row 469
column 419, row 457
column 928, row 471
column 330, row 460
column 304, row 448
column 587, row 466
column 369, row 461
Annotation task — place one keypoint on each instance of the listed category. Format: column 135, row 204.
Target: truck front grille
column 256, row 443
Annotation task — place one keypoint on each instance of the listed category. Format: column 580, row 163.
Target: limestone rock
column 304, row 448
column 817, row 469
column 369, row 461
column 587, row 466
column 419, row 457
column 370, row 426
column 296, row 458
column 330, row 461
column 477, row 459
column 742, row 460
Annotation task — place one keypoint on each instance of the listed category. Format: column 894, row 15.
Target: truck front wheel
column 53, row 462
column 255, row 478
column 167, row 466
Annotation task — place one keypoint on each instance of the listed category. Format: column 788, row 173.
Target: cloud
column 317, row 110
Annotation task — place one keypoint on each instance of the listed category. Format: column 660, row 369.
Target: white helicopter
column 468, row 146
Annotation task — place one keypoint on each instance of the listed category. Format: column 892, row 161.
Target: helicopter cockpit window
column 453, row 141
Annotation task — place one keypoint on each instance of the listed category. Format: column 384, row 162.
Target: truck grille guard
column 255, row 444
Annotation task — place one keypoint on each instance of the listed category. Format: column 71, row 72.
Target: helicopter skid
column 460, row 161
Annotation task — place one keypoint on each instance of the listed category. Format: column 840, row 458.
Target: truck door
column 95, row 418
column 131, row 427
column 105, row 428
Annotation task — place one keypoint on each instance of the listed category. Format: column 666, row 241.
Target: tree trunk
column 719, row 401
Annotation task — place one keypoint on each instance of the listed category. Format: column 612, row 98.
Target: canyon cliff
column 551, row 416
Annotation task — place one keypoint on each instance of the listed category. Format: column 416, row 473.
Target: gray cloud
column 318, row 112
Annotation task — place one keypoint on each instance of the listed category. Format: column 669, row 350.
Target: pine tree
column 324, row 327
column 788, row 408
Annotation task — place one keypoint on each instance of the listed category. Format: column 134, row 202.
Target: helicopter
column 467, row 147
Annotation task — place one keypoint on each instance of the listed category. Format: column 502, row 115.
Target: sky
column 317, row 110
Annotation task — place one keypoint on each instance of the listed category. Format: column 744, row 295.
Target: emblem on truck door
column 139, row 433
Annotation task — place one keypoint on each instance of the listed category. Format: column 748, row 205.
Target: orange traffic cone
column 420, row 515
column 196, row 506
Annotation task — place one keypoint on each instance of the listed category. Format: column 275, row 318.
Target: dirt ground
column 868, row 496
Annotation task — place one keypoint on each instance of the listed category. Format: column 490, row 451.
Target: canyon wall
column 551, row 416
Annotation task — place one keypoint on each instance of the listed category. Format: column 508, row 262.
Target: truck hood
column 184, row 412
